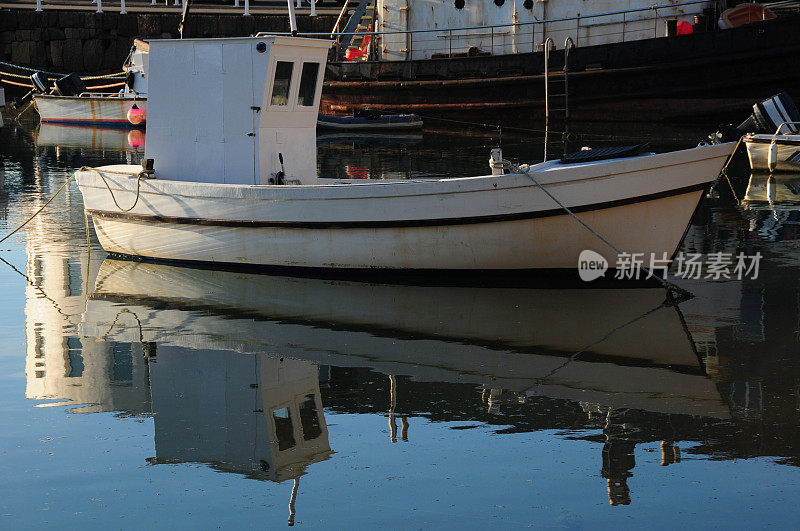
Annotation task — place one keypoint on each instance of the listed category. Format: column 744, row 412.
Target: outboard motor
column 69, row 85
column 770, row 114
column 767, row 116
column 41, row 83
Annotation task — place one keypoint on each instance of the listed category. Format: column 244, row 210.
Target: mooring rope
column 7, row 236
column 139, row 177
column 57, row 74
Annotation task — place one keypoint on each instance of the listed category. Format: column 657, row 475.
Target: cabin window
column 122, row 364
column 309, row 418
column 308, row 84
column 74, row 357
column 284, row 431
column 282, row 82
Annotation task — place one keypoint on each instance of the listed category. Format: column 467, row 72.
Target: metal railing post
column 624, row 26
column 655, row 22
column 492, row 33
column 247, row 8
column 547, row 44
column 38, row 5
column 568, row 43
column 450, row 50
column 122, row 7
column 99, row 6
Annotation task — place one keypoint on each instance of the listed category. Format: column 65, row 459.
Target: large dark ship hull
column 679, row 77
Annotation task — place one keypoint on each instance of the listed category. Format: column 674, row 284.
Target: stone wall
column 98, row 43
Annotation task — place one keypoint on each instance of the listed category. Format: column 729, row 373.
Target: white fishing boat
column 71, row 103
column 235, row 180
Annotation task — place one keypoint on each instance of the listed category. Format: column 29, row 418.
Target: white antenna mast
column 292, row 21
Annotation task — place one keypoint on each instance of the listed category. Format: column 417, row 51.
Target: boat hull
column 105, row 111
column 506, row 222
column 788, row 152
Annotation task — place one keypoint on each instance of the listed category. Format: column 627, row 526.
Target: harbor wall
column 98, row 43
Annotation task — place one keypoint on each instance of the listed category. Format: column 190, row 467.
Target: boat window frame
column 290, row 104
column 314, row 94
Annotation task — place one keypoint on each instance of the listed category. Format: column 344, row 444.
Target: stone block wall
column 98, row 43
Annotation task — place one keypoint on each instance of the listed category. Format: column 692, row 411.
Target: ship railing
column 520, row 37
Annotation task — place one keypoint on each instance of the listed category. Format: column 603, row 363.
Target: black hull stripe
column 150, row 218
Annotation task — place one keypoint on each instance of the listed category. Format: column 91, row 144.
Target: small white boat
column 221, row 192
column 74, row 105
column 369, row 121
column 768, row 151
column 776, row 152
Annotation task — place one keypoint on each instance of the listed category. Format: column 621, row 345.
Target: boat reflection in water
column 97, row 139
column 619, row 347
column 603, row 351
column 770, row 191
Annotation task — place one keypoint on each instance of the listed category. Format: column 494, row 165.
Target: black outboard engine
column 766, row 118
column 69, row 85
column 41, row 83
column 770, row 114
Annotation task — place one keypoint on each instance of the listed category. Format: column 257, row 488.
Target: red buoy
column 136, row 116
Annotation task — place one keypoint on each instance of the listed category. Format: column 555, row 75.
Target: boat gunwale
column 104, row 96
column 549, row 175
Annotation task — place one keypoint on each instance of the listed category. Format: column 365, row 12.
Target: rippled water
column 136, row 394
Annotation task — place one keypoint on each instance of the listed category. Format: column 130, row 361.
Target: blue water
column 139, row 395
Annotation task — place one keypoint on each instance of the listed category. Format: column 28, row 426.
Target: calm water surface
column 136, row 394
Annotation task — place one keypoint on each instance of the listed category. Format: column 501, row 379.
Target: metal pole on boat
column 236, row 3
column 292, row 20
column 99, row 6
column 246, row 8
column 38, row 5
column 122, row 7
column 313, row 8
